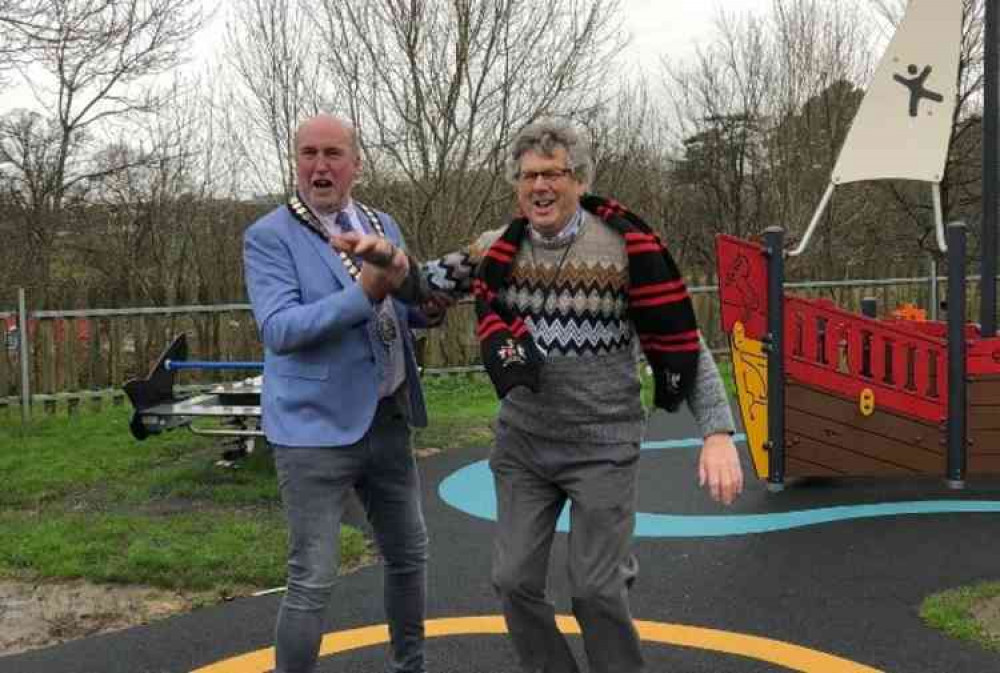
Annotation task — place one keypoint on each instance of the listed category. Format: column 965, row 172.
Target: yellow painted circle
column 792, row 657
column 867, row 402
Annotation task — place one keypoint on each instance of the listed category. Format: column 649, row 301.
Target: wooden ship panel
column 984, row 424
column 826, row 434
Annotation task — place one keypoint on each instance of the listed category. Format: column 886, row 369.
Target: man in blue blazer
column 340, row 392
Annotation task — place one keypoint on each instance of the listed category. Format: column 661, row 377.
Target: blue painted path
column 470, row 490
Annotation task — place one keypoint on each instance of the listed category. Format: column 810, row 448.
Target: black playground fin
column 157, row 387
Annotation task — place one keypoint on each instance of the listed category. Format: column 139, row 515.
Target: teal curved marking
column 470, row 490
column 691, row 443
column 669, row 525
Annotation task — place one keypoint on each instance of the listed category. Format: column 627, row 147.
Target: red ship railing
column 903, row 365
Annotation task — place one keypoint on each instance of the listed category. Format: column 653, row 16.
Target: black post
column 869, row 307
column 957, row 430
column 991, row 154
column 774, row 243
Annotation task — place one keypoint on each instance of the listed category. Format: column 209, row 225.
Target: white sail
column 904, row 123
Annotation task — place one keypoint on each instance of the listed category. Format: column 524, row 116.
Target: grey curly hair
column 544, row 136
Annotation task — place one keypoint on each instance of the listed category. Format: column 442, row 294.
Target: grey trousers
column 534, row 477
column 314, row 484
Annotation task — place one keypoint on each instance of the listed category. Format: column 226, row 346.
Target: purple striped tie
column 344, row 222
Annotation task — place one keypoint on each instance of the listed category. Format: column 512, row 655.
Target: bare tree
column 438, row 87
column 631, row 143
column 720, row 107
column 168, row 228
column 628, row 137
column 761, row 115
column 825, row 52
column 96, row 54
column 272, row 48
column 18, row 24
column 28, row 157
column 92, row 67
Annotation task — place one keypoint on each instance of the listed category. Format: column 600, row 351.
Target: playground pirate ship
column 828, row 392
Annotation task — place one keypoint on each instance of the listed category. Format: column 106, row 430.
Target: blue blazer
column 322, row 356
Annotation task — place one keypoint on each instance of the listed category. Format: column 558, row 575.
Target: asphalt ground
column 849, row 588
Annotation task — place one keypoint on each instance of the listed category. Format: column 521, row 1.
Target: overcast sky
column 657, row 28
column 674, row 27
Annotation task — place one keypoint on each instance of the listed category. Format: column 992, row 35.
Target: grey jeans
column 534, row 478
column 314, row 484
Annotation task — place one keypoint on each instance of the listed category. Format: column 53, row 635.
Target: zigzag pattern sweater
column 573, row 295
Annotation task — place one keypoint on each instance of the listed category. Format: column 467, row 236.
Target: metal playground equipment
column 229, row 410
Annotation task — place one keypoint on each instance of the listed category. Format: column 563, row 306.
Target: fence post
column 22, row 329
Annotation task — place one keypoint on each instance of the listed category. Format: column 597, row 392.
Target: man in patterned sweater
column 566, row 297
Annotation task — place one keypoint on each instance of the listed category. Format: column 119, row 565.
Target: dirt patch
column 986, row 612
column 38, row 615
column 35, row 615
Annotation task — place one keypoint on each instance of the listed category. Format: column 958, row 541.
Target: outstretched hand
column 385, row 268
column 719, row 468
column 373, row 249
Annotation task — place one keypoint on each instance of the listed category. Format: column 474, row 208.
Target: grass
column 461, row 408
column 59, row 456
column 953, row 612
column 194, row 551
column 83, row 499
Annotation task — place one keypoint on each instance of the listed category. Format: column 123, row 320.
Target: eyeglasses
column 548, row 177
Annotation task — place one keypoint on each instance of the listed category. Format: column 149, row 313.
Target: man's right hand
column 369, row 247
column 385, row 268
column 378, row 281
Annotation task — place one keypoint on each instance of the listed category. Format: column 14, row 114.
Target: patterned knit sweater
column 573, row 295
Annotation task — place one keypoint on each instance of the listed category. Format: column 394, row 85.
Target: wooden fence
column 82, row 358
column 77, row 356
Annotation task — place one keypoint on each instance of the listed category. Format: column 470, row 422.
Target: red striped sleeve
column 656, row 288
column 660, row 300
column 690, row 335
column 484, row 335
column 677, row 348
column 637, row 248
column 503, row 246
column 489, row 324
column 640, row 236
column 518, row 329
column 500, row 256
